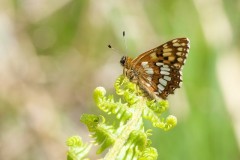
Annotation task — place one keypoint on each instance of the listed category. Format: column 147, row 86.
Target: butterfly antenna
column 114, row 50
column 125, row 41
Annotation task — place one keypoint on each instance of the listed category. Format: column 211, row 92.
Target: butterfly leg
column 147, row 91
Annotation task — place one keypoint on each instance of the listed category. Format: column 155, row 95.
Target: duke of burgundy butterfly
column 158, row 72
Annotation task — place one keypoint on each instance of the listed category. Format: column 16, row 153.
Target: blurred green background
column 53, row 53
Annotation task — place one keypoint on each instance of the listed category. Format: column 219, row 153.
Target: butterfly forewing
column 158, row 71
column 172, row 52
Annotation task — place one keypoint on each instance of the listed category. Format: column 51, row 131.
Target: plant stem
column 129, row 127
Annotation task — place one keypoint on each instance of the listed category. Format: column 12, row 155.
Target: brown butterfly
column 158, row 72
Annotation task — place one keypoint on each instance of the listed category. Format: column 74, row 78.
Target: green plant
column 126, row 136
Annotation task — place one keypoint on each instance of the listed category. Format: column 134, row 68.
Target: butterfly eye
column 123, row 60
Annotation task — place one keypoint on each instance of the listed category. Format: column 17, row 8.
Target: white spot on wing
column 174, row 41
column 144, row 64
column 183, row 44
column 180, row 72
column 166, row 66
column 159, row 64
column 167, row 54
column 177, row 65
column 167, row 49
column 163, row 82
column 181, row 78
column 165, row 69
column 176, row 44
column 164, row 73
column 180, row 59
column 180, row 49
column 149, row 70
column 167, row 78
column 179, row 53
column 160, row 87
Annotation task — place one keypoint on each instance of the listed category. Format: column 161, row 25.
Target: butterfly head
column 123, row 60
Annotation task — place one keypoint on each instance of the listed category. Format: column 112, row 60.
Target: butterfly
column 158, row 72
